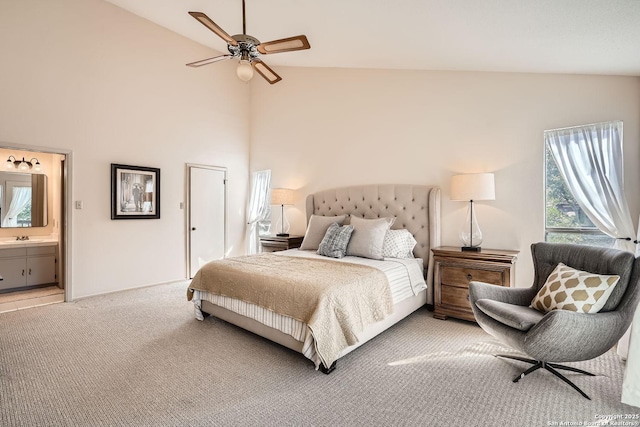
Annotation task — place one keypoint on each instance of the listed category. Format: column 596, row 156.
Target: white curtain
column 590, row 160
column 258, row 207
column 631, row 383
column 20, row 198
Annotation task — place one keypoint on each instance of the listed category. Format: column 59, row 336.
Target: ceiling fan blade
column 284, row 45
column 266, row 72
column 207, row 22
column 209, row 61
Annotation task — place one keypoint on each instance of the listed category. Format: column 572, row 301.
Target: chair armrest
column 567, row 336
column 516, row 296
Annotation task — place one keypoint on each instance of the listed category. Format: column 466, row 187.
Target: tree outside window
column 565, row 221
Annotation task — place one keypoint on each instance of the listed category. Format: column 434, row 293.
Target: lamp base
column 282, row 234
column 471, row 249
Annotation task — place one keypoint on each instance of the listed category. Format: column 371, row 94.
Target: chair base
column 551, row 367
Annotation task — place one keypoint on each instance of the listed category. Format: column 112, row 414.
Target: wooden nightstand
column 454, row 269
column 276, row 243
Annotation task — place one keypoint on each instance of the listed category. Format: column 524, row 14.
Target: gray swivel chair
column 560, row 335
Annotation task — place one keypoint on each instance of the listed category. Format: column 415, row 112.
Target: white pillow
column 398, row 244
column 368, row 236
column 316, row 230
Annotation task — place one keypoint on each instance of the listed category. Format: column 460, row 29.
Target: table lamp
column 472, row 187
column 282, row 196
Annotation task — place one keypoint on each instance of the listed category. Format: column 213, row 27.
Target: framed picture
column 135, row 192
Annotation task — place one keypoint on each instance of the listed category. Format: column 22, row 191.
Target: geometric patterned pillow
column 335, row 241
column 398, row 244
column 569, row 289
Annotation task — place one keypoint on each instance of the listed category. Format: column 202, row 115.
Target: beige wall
column 321, row 128
column 110, row 87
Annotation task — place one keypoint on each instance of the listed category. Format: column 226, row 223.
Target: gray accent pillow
column 368, row 236
column 335, row 241
column 317, row 228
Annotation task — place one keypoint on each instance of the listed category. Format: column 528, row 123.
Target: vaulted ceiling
column 541, row 36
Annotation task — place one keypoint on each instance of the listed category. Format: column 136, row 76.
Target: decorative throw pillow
column 368, row 236
column 335, row 241
column 317, row 228
column 569, row 289
column 398, row 244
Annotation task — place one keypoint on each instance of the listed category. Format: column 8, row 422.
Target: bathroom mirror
column 23, row 200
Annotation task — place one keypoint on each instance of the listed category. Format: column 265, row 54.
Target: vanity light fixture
column 23, row 165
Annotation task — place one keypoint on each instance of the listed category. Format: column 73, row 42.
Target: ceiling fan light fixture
column 248, row 49
column 244, row 70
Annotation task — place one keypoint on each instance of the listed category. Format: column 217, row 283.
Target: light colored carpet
column 140, row 358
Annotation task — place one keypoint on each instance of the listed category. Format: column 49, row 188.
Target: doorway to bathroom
column 34, row 258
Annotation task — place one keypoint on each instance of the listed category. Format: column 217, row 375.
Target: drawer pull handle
column 29, row 272
column 469, row 277
column 23, row 271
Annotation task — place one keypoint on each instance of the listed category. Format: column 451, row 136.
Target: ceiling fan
column 248, row 49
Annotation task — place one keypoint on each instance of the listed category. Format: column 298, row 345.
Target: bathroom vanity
column 27, row 264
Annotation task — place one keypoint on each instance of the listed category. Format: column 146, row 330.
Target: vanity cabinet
column 27, row 266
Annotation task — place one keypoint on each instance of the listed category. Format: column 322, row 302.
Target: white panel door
column 207, row 216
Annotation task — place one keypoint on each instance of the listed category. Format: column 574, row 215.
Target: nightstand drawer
column 273, row 247
column 455, row 297
column 460, row 276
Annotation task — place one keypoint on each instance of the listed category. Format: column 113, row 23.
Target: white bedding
column 404, row 276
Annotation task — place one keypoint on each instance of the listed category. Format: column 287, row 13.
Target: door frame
column 188, row 168
column 64, row 239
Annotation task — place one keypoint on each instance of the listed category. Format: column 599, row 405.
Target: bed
column 415, row 209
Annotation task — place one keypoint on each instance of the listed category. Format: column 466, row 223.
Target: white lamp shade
column 473, row 186
column 282, row 196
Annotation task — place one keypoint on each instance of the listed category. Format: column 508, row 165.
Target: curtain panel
column 258, row 207
column 631, row 383
column 589, row 159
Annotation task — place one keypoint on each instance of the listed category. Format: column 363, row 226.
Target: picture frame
column 135, row 192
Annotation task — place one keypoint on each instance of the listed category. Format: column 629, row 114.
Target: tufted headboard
column 416, row 208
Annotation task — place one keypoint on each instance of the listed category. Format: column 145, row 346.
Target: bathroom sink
column 16, row 242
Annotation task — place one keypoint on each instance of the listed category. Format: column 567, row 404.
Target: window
column 258, row 209
column 565, row 221
column 264, row 225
